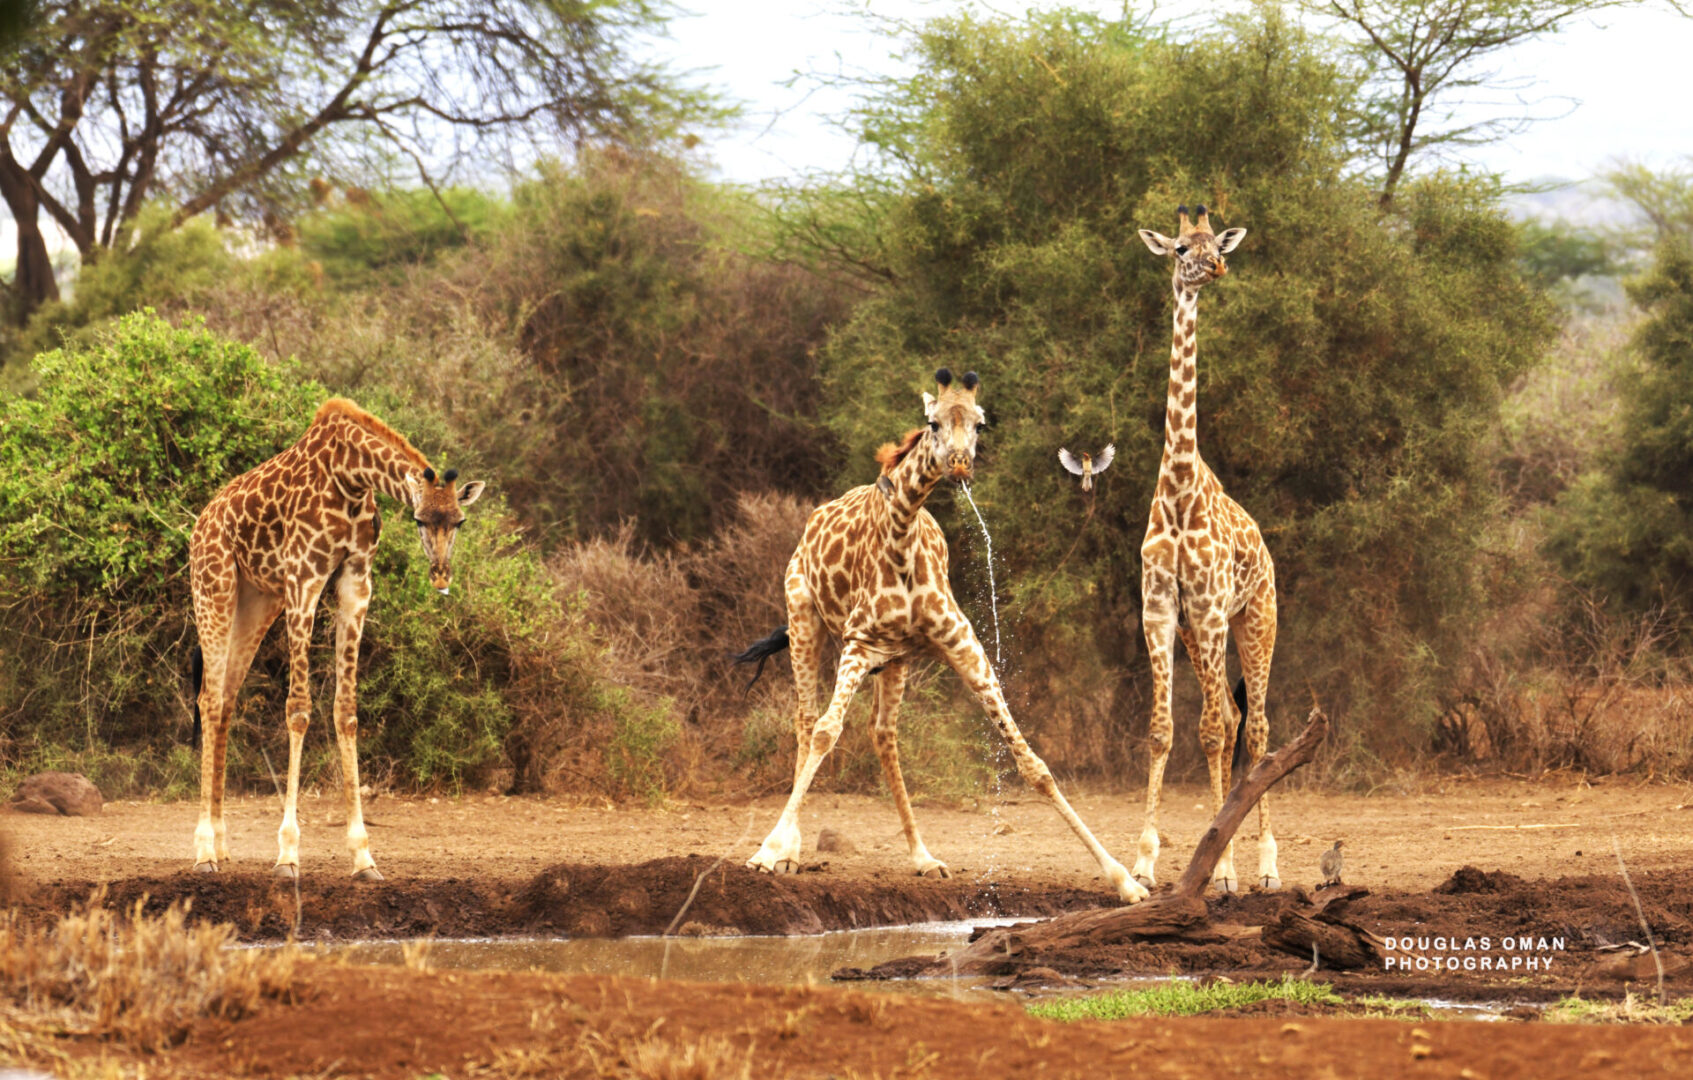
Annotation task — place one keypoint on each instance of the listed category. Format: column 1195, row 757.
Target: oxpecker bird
column 1089, row 467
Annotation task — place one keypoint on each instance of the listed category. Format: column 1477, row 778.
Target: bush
column 1626, row 528
column 107, row 469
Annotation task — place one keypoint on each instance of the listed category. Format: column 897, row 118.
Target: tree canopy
column 106, row 104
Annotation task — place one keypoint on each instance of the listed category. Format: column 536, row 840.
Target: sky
column 1617, row 84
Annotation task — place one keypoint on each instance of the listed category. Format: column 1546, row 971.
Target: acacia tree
column 1424, row 58
column 108, row 103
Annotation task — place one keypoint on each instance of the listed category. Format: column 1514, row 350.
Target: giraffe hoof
column 1226, row 885
column 1145, row 881
column 1269, row 884
column 205, row 868
column 939, row 870
column 285, row 872
column 369, row 873
column 786, row 866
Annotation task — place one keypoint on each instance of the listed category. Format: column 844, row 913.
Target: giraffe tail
column 1241, row 758
column 197, row 675
column 761, row 650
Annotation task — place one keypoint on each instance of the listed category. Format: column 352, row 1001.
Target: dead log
column 1179, row 915
column 1321, row 922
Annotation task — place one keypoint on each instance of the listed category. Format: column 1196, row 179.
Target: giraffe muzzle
column 960, row 465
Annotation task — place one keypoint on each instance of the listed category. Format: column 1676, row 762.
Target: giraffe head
column 1197, row 250
column 438, row 508
column 955, row 420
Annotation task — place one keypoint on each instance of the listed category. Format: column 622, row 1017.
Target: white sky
column 1627, row 69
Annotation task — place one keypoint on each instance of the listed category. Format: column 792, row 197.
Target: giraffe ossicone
column 1205, row 570
column 871, row 571
column 268, row 544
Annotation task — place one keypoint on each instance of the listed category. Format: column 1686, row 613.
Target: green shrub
column 371, row 238
column 106, row 469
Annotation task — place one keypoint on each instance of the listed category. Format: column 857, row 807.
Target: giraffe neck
column 361, row 460
column 1180, row 463
column 908, row 487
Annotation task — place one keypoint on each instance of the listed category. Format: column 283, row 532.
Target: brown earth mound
column 573, row 899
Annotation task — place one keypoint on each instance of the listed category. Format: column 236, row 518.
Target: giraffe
column 267, row 545
column 871, row 571
column 1204, row 570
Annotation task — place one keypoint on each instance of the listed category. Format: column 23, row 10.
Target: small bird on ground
column 1330, row 865
column 1090, row 466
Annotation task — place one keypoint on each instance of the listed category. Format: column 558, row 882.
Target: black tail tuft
column 197, row 675
column 761, row 650
column 1240, row 760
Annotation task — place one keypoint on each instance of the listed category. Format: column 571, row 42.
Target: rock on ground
column 70, row 794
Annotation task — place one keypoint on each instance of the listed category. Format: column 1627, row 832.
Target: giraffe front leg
column 1158, row 625
column 966, row 656
column 884, row 732
column 354, row 594
column 780, row 852
column 301, row 603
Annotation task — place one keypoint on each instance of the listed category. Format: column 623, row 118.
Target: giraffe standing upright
column 267, row 544
column 871, row 570
column 1204, row 570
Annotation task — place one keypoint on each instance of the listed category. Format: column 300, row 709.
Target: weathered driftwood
column 1320, row 920
column 1177, row 915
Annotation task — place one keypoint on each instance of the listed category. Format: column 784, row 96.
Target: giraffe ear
column 471, row 492
column 414, row 488
column 1229, row 239
column 1158, row 242
column 928, row 405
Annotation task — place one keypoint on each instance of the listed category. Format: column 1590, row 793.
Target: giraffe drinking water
column 871, row 570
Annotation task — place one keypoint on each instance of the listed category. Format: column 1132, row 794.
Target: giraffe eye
column 1181, row 249
column 983, row 426
column 934, row 425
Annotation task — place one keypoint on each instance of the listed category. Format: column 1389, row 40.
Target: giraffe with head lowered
column 267, row 545
column 1204, row 570
column 871, row 571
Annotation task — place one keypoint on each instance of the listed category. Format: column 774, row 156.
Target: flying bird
column 1090, row 466
column 1330, row 865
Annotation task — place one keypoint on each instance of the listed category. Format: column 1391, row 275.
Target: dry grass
column 140, row 980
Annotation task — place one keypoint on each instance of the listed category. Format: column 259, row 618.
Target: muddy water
column 795, row 960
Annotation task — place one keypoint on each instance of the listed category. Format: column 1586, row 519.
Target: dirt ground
column 522, row 1025
column 491, row 865
column 1410, row 842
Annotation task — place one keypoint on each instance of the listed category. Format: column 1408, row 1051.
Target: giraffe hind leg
column 1255, row 640
column 214, row 619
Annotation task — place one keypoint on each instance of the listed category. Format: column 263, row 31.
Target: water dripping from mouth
column 996, row 824
column 993, row 590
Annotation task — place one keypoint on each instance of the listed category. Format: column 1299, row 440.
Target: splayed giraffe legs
column 780, row 852
column 966, row 656
column 884, row 731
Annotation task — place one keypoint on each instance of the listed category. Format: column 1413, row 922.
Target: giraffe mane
column 891, row 454
column 342, row 407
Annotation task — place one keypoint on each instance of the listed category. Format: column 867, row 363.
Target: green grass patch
column 1184, row 999
column 1631, row 1009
